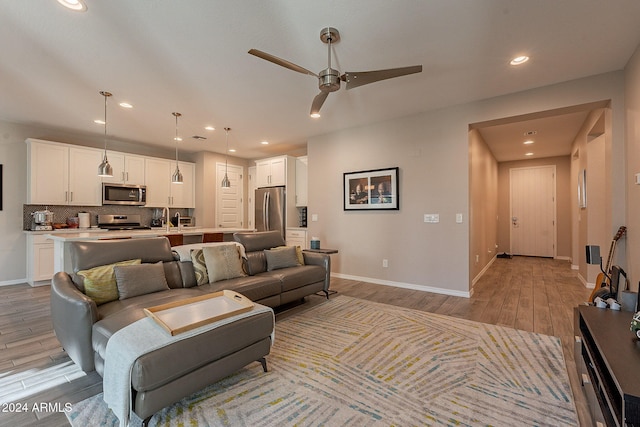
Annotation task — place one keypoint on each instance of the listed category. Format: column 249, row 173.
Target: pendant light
column 176, row 178
column 225, row 181
column 104, row 169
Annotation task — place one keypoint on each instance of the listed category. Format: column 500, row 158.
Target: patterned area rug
column 354, row 362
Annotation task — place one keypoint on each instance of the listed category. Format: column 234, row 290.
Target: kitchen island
column 61, row 240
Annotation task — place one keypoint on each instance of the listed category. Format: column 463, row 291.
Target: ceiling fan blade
column 360, row 78
column 281, row 62
column 317, row 103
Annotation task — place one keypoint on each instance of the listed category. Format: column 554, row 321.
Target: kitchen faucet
column 178, row 223
column 166, row 217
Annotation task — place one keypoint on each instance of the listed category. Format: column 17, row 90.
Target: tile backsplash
column 61, row 213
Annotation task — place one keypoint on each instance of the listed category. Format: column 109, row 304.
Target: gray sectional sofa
column 83, row 327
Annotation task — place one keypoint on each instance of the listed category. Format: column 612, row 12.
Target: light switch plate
column 459, row 218
column 432, row 218
column 314, row 217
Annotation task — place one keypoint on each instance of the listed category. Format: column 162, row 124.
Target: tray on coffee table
column 181, row 316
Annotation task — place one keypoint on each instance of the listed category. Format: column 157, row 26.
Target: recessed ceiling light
column 125, row 105
column 232, row 150
column 519, row 60
column 528, row 142
column 315, row 115
column 264, row 142
column 77, row 5
column 177, row 138
column 98, row 121
column 209, row 128
column 528, row 154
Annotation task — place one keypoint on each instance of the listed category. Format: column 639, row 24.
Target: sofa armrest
column 73, row 315
column 324, row 261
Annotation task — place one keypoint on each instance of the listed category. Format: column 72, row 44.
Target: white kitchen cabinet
column 127, row 168
column 271, row 172
column 60, row 174
column 161, row 192
column 297, row 237
column 301, row 181
column 40, row 260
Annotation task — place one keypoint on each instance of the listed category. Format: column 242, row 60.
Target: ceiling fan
column 329, row 78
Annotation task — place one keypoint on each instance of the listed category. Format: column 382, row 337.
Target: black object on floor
column 504, row 255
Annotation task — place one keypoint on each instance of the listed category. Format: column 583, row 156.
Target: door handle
column 514, row 221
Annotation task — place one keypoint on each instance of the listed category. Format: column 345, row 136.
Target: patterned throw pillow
column 199, row 266
column 100, row 282
column 281, row 257
column 223, row 262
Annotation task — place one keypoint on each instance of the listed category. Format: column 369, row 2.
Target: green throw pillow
column 100, row 282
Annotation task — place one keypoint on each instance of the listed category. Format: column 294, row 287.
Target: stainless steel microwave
column 124, row 194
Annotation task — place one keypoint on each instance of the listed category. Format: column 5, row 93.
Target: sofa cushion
column 256, row 288
column 223, row 262
column 199, row 266
column 142, row 279
column 281, row 257
column 100, row 282
column 297, row 277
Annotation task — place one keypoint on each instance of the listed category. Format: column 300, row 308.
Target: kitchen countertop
column 97, row 233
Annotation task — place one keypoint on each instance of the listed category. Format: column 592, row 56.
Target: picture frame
column 582, row 189
column 375, row 189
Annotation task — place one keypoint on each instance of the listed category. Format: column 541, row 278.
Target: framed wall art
column 371, row 190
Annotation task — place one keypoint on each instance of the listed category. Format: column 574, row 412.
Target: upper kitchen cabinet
column 127, row 168
column 61, row 174
column 161, row 192
column 274, row 171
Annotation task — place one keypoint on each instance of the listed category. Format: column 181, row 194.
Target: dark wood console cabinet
column 607, row 356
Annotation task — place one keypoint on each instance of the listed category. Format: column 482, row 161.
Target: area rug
column 355, row 362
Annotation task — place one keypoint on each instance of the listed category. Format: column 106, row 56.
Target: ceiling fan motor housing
column 329, row 80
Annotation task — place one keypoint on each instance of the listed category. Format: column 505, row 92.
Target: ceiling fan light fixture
column 177, row 178
column 104, row 168
column 315, row 114
column 519, row 60
column 75, row 5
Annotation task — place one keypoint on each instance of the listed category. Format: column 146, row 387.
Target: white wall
column 632, row 100
column 431, row 150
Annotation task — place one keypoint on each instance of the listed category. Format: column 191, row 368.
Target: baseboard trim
column 484, row 270
column 403, row 285
column 13, row 282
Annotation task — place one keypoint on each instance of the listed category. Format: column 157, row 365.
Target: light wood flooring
column 532, row 294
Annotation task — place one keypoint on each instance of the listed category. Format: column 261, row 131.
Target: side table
column 328, row 252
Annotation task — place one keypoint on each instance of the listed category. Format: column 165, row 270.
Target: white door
column 533, row 211
column 229, row 200
column 251, row 202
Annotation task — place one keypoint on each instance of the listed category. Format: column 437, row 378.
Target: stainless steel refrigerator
column 271, row 209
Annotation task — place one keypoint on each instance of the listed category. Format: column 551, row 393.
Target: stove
column 121, row 222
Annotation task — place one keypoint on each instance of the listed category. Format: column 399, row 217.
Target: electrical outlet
column 385, row 263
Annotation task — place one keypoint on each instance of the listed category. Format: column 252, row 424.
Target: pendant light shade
column 176, row 178
column 225, row 181
column 104, row 169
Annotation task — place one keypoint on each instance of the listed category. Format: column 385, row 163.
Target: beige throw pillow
column 223, row 262
column 100, row 282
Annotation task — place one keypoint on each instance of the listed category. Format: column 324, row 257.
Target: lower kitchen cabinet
column 39, row 260
column 297, row 237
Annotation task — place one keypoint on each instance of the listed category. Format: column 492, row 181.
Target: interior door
column 533, row 211
column 229, row 208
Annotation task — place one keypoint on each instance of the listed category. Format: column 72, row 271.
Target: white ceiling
column 191, row 56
